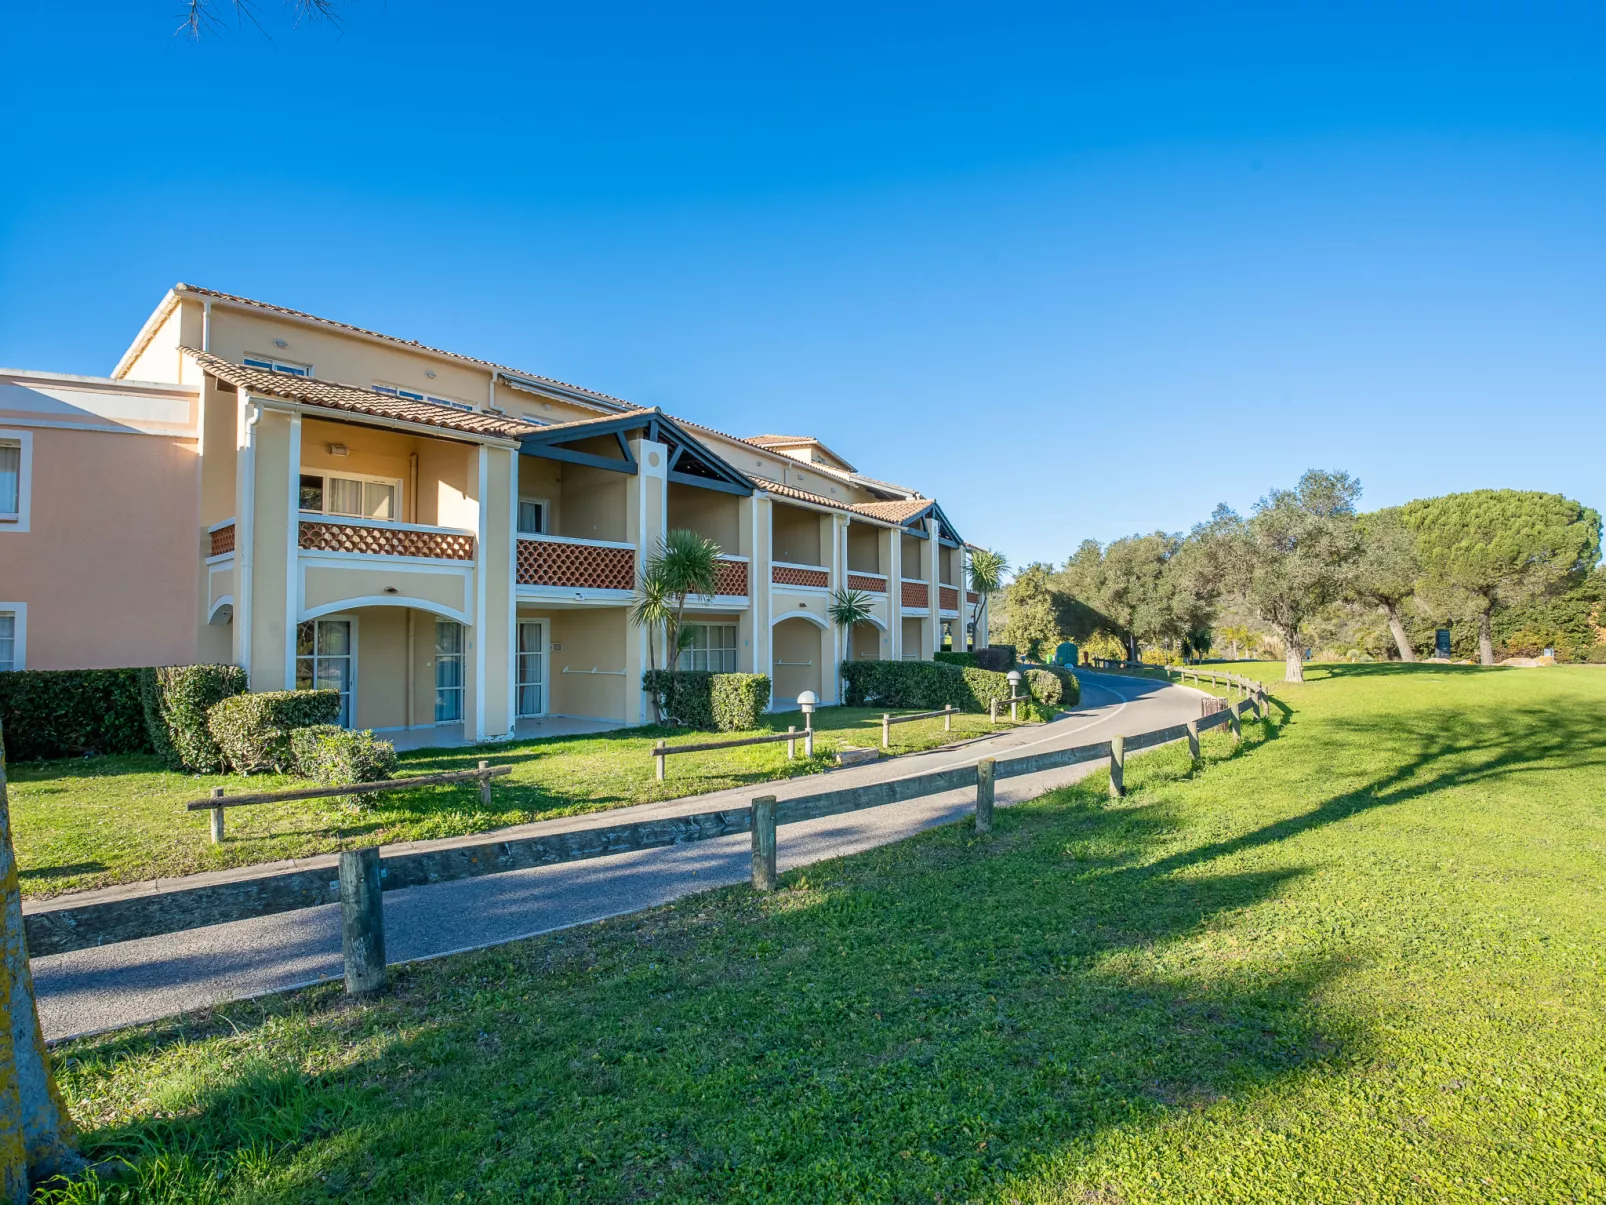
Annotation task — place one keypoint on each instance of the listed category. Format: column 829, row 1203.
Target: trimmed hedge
column 997, row 657
column 253, row 730
column 695, row 698
column 738, row 700
column 70, row 712
column 954, row 658
column 929, row 685
column 339, row 757
column 175, row 700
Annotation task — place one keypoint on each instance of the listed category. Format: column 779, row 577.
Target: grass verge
column 1357, row 959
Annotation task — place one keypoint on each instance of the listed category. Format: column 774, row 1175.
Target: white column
column 482, row 525
column 895, row 592
column 292, row 576
column 933, row 588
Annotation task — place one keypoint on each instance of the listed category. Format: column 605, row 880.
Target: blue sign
column 1441, row 646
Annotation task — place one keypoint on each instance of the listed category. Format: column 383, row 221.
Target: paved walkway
column 136, row 981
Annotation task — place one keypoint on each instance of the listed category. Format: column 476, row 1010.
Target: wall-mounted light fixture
column 339, row 450
column 430, row 373
column 392, row 590
column 280, row 343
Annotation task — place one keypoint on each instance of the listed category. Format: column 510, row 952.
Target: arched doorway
column 798, row 652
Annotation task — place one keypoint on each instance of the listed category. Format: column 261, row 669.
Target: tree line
column 1306, row 569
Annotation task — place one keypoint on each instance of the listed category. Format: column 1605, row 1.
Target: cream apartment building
column 444, row 540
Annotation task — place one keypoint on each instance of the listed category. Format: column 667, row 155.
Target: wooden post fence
column 984, row 796
column 658, row 756
column 764, row 843
column 362, row 921
column 1117, row 766
column 1193, row 739
column 217, row 817
column 886, row 731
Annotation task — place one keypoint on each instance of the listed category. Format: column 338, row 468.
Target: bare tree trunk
column 36, row 1138
column 1293, row 656
column 1397, row 627
column 1485, row 639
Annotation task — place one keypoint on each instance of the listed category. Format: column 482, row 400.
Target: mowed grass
column 90, row 822
column 1358, row 959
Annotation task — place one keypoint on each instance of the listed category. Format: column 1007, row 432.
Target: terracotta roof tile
column 895, row 512
column 351, row 399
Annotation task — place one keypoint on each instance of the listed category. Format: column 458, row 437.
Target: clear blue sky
column 1019, row 257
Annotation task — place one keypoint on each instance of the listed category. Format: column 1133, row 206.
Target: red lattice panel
column 785, row 575
column 914, row 595
column 875, row 585
column 545, row 563
column 222, row 540
column 730, row 578
column 386, row 541
column 972, row 597
column 948, row 598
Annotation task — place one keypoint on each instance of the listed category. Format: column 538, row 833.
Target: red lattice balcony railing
column 948, row 598
column 222, row 540
column 576, row 565
column 387, row 540
column 871, row 583
column 915, row 595
column 730, row 578
column 972, row 597
column 798, row 575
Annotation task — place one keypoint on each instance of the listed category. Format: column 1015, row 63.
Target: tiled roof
column 895, row 512
column 794, row 441
column 198, row 291
column 330, row 395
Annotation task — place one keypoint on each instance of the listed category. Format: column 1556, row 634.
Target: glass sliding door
column 323, row 661
column 531, row 668
column 448, row 671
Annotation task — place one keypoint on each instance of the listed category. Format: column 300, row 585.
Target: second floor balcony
column 377, row 537
column 567, row 563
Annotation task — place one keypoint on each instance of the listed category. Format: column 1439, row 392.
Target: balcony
column 567, row 563
column 220, row 539
column 811, row 577
column 916, row 595
column 731, row 577
column 379, row 537
column 948, row 599
column 870, row 583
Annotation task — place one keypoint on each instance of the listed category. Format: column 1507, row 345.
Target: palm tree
column 847, row 609
column 683, row 565
column 987, row 569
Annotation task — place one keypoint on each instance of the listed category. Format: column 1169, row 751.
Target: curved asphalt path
column 131, row 982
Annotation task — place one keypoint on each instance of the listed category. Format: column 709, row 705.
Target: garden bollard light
column 764, row 843
column 1193, row 739
column 791, row 743
column 1117, row 766
column 808, row 742
column 362, row 921
column 485, row 785
column 217, row 818
column 886, row 731
column 658, row 756
column 984, row 796
column 807, row 701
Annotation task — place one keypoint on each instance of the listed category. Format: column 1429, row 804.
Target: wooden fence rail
column 61, row 925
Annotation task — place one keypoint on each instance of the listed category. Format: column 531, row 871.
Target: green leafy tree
column 987, row 569
column 1031, row 619
column 1237, row 638
column 1487, row 550
column 685, row 565
column 1289, row 559
column 1385, row 572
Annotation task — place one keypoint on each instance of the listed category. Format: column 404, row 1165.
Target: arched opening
column 799, row 664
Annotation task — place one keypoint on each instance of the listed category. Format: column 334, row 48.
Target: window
column 288, row 367
column 323, row 660
column 448, row 671
column 10, row 637
column 413, row 395
column 16, row 473
column 344, row 494
column 713, row 648
column 531, row 678
column 532, row 516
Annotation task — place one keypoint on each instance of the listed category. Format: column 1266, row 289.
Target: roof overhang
column 691, row 462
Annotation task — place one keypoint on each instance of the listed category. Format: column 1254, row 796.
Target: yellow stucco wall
column 796, row 533
column 797, row 640
column 713, row 514
column 589, row 639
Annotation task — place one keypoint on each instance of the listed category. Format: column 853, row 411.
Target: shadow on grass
column 56, row 872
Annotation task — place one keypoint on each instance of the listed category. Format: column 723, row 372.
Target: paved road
column 136, row 981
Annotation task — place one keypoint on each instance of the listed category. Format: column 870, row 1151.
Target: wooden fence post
column 984, row 796
column 1232, row 718
column 485, row 785
column 948, row 718
column 886, row 731
column 808, row 741
column 791, row 745
column 1117, row 766
column 362, row 921
column 764, row 843
column 1193, row 739
column 659, row 757
column 217, row 818
column 992, row 710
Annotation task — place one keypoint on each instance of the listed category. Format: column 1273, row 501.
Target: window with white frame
column 532, row 516
column 448, row 671
column 323, row 661
column 349, row 494
column 274, row 364
column 16, row 464
column 10, row 641
column 712, row 648
column 414, row 395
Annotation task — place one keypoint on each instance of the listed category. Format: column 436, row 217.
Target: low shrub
column 338, row 757
column 1158, row 656
column 997, row 657
column 922, row 685
column 1070, row 687
column 175, row 700
column 738, row 700
column 1045, row 687
column 68, row 712
column 253, row 730
column 955, row 658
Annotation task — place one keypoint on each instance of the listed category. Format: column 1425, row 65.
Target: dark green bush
column 68, row 712
column 738, row 700
column 175, row 701
column 253, row 730
column 1044, row 687
column 922, row 685
column 955, row 658
column 997, row 657
column 338, row 757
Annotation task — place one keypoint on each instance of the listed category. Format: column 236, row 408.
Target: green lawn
column 1357, row 960
column 89, row 822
